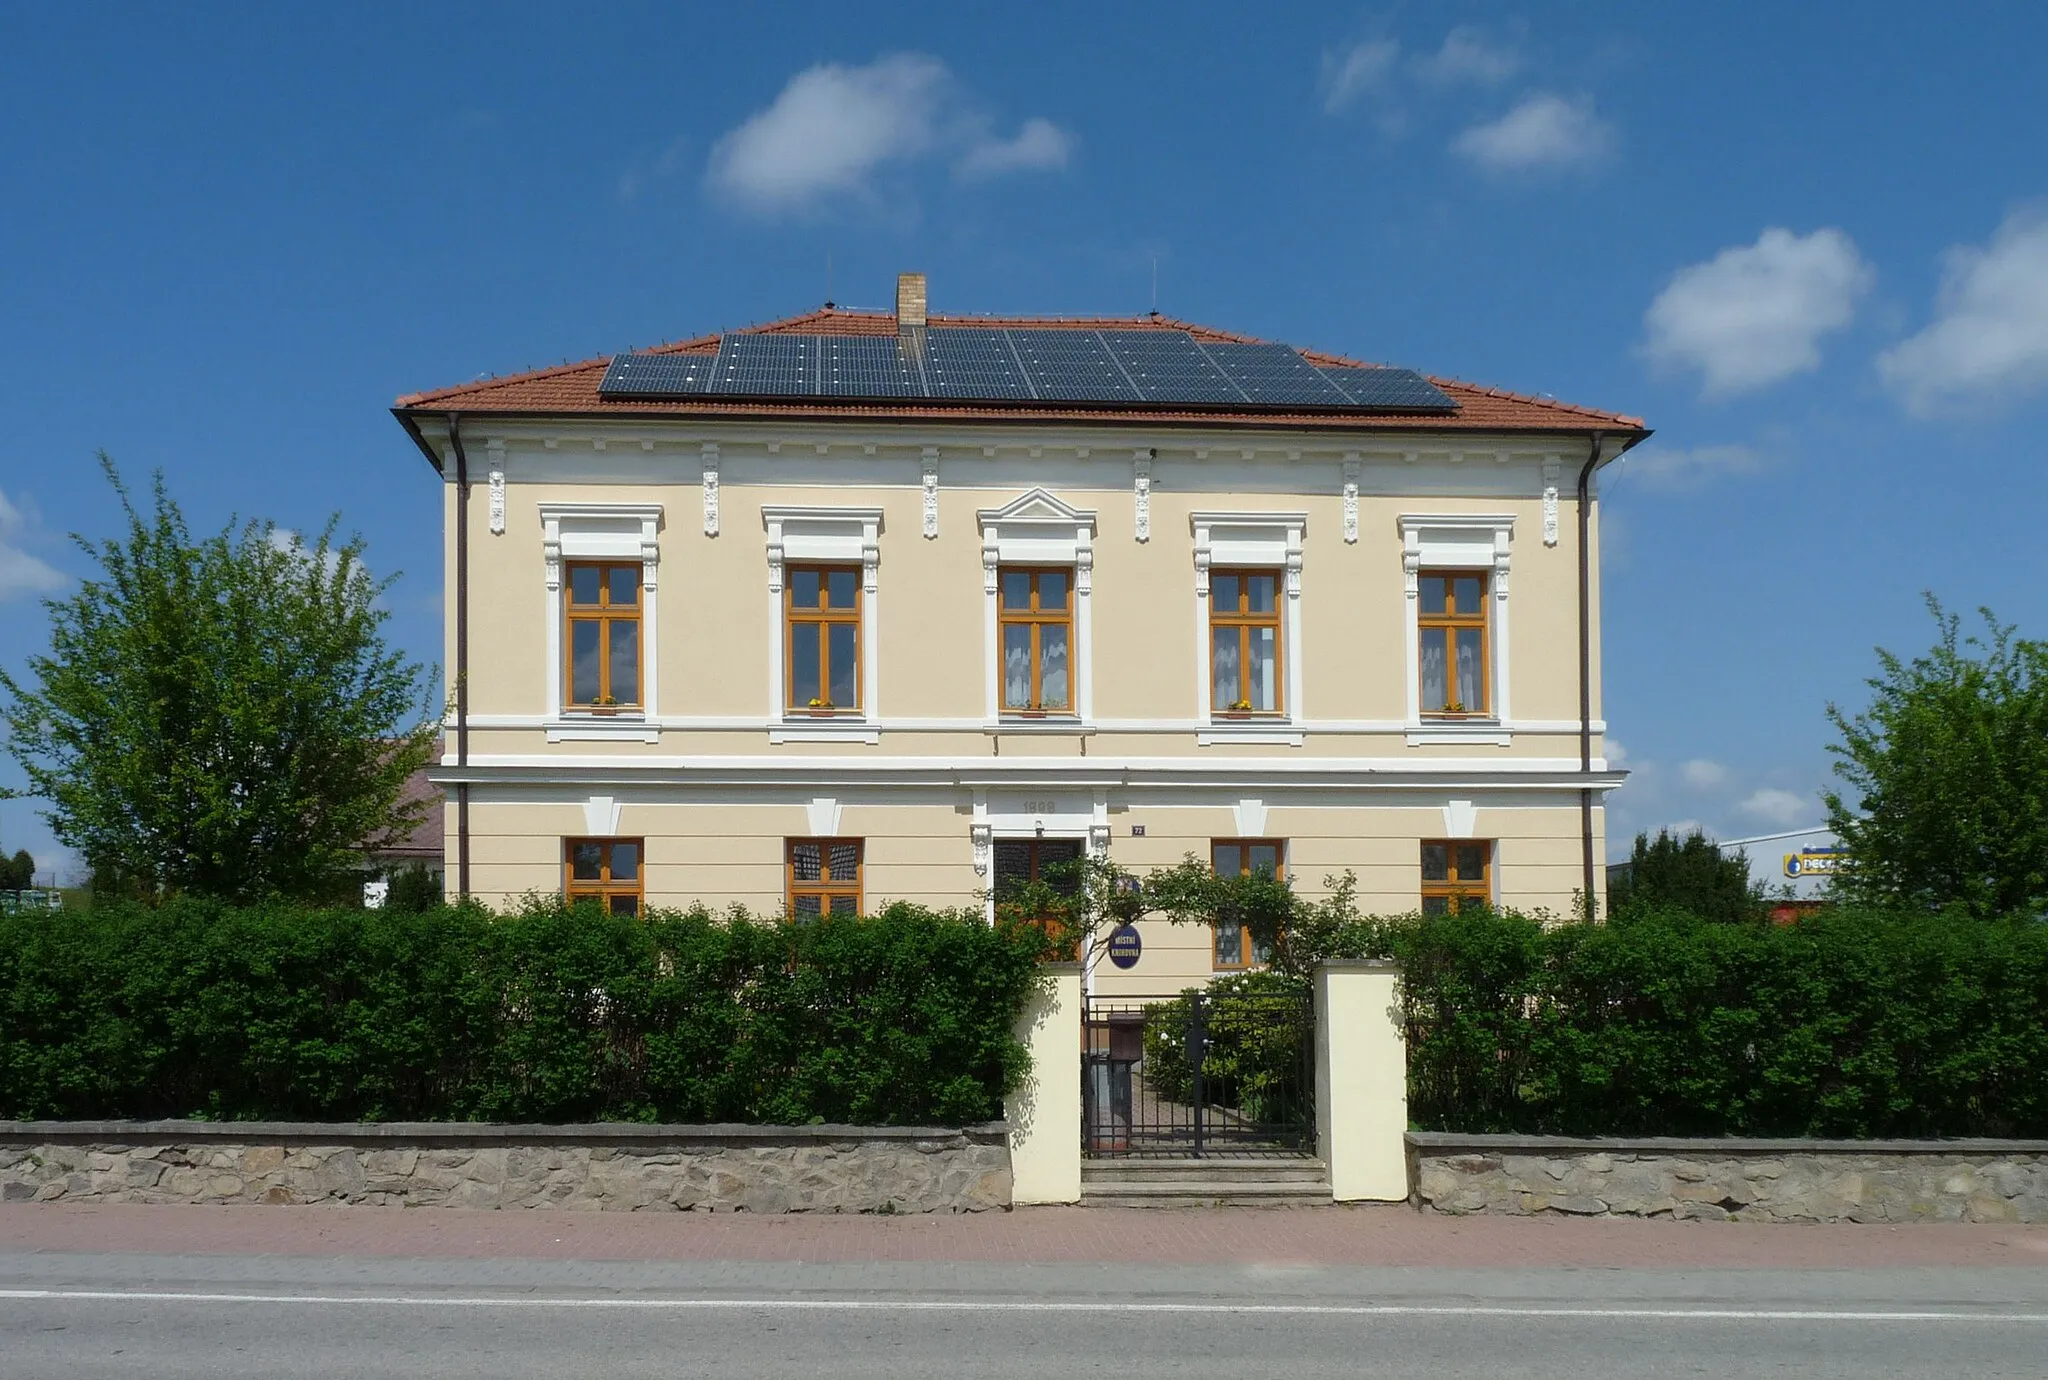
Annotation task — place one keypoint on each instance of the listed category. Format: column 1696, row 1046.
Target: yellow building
column 861, row 606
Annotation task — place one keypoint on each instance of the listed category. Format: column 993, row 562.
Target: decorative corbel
column 1084, row 569
column 1141, row 471
column 870, row 562
column 551, row 552
column 1351, row 499
column 991, row 557
column 710, row 455
column 1202, row 571
column 983, row 837
column 1411, row 564
column 1550, row 472
column 1500, row 566
column 931, row 491
column 496, row 452
column 1098, row 841
column 775, row 558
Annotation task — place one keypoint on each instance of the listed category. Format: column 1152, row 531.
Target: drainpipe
column 1586, row 667
column 462, row 652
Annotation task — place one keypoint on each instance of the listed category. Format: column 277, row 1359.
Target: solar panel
column 1276, row 375
column 1053, row 364
column 1071, row 366
column 656, row 376
column 1401, row 389
column 759, row 366
column 867, row 366
column 1168, row 366
column 972, row 363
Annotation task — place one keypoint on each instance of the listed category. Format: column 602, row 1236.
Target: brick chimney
column 909, row 302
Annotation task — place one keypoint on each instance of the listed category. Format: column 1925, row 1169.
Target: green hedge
column 195, row 1010
column 1849, row 1024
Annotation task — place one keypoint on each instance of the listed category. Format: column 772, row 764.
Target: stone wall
column 604, row 1167
column 1746, row 1180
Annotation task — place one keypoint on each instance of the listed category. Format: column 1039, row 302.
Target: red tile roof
column 571, row 389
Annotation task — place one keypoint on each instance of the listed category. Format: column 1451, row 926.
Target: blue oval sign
column 1125, row 946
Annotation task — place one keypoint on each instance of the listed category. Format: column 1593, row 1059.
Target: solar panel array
column 1075, row 366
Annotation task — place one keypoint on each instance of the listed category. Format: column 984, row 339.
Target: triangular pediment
column 1036, row 505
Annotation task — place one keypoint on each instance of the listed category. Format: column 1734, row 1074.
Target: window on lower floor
column 824, row 878
column 1455, row 872
column 1231, row 946
column 603, row 612
column 606, row 871
column 1051, row 861
column 1451, row 623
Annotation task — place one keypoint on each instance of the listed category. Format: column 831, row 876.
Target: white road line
column 1341, row 1310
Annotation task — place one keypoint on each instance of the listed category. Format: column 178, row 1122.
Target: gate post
column 1362, row 1080
column 1045, row 1112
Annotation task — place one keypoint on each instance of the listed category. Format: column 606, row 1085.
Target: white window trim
column 1037, row 529
column 1458, row 541
column 601, row 531
column 1251, row 540
column 836, row 536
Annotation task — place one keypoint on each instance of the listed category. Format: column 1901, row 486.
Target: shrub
column 553, row 1014
column 1255, row 1051
column 1849, row 1023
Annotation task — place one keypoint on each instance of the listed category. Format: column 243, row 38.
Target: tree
column 1947, row 773
column 221, row 715
column 1690, row 874
column 17, row 873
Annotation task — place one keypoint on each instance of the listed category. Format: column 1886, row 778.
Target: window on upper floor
column 1036, row 617
column 1231, row 947
column 603, row 645
column 821, row 606
column 607, row 871
column 1451, row 626
column 1455, row 871
column 823, row 878
column 1244, row 642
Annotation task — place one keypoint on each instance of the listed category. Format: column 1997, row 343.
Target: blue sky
column 1808, row 243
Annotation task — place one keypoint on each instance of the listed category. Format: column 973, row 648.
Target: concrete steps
column 1249, row 1181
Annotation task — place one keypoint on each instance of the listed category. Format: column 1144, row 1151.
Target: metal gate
column 1200, row 1075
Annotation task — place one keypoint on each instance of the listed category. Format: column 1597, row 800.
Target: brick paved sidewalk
column 1391, row 1235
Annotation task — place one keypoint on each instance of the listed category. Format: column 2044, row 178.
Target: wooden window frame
column 604, row 888
column 1456, row 889
column 1246, row 963
column 819, row 621
column 825, row 890
column 1036, row 618
column 1244, row 620
column 1446, row 626
column 603, row 613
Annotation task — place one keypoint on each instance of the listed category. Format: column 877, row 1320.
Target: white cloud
column 20, row 572
column 1545, row 133
column 1988, row 341
column 834, row 128
column 1347, row 74
column 1703, row 773
column 1754, row 314
column 1468, row 56
column 1782, row 808
column 1613, row 751
column 1040, row 145
column 1670, row 467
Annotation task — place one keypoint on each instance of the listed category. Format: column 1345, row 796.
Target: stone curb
column 485, row 1133
column 1445, row 1142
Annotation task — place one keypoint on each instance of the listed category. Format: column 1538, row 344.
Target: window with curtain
column 1230, row 946
column 1451, row 623
column 824, row 878
column 1035, row 611
column 1244, row 642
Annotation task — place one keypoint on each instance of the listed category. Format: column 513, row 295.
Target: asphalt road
column 88, row 1315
